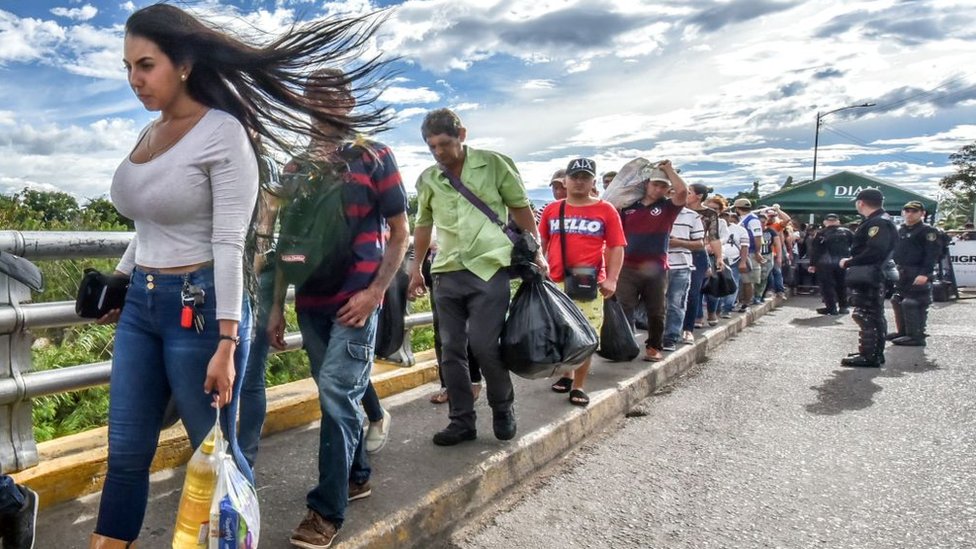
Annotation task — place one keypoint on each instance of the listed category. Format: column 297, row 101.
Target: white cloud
column 538, row 84
column 128, row 6
column 6, row 118
column 37, row 156
column 83, row 13
column 399, row 94
column 466, row 107
column 28, row 39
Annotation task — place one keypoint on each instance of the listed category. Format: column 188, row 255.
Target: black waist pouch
column 581, row 283
column 100, row 293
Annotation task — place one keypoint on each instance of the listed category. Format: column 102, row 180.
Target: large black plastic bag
column 617, row 341
column 546, row 333
column 720, row 283
column 390, row 326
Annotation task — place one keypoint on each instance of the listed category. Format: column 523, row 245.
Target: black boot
column 914, row 314
column 860, row 361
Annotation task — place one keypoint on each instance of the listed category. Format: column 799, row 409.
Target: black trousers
column 471, row 315
column 868, row 302
column 830, row 277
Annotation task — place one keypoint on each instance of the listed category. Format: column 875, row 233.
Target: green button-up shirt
column 466, row 239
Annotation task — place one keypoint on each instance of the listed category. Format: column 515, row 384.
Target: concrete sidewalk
column 419, row 490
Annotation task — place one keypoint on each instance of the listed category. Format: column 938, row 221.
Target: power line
column 863, row 143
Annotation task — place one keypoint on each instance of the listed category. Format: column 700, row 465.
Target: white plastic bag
column 630, row 183
column 235, row 518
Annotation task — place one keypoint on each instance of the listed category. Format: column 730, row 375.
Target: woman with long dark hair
column 190, row 184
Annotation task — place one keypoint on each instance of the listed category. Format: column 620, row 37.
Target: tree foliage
column 957, row 204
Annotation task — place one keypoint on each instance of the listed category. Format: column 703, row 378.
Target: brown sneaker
column 314, row 532
column 653, row 355
column 359, row 491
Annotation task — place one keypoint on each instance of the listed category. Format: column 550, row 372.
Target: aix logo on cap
column 582, row 164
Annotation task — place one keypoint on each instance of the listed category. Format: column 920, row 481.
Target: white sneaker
column 376, row 436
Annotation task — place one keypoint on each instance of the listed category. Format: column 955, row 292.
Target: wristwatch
column 235, row 338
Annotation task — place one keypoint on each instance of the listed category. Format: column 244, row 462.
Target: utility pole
column 816, row 135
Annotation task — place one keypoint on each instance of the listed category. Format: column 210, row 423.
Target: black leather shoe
column 454, row 434
column 908, row 341
column 504, row 424
column 826, row 311
column 891, row 336
column 844, row 311
column 859, row 361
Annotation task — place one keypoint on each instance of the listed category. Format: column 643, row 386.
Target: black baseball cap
column 581, row 165
column 914, row 205
column 832, row 216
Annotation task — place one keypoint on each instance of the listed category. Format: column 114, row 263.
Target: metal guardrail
column 18, row 384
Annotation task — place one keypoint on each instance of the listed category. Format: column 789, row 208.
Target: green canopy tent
column 836, row 194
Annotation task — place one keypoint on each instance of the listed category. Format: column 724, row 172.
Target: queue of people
column 192, row 184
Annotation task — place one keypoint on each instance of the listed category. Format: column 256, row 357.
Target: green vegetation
column 64, row 414
column 959, row 200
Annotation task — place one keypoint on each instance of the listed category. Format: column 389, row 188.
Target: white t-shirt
column 687, row 226
column 732, row 242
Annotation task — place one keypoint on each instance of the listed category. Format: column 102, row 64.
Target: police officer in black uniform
column 830, row 245
column 873, row 243
column 916, row 254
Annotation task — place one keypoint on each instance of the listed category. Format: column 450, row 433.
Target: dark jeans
column 371, row 404
column 254, row 402
column 471, row 314
column 341, row 358
column 652, row 287
column 11, row 498
column 155, row 359
column 438, row 352
column 693, row 310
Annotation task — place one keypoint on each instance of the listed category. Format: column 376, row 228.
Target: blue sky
column 727, row 90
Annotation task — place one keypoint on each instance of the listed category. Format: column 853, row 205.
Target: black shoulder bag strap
column 562, row 237
column 475, row 201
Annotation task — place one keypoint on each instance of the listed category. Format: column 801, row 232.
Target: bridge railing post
column 18, row 450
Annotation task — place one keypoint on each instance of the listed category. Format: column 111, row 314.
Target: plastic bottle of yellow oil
column 193, row 518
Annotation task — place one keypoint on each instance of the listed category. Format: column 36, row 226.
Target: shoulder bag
column 524, row 245
column 580, row 282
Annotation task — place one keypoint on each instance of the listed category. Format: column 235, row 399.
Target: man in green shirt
column 471, row 283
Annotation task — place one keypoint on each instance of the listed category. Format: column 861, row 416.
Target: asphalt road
column 772, row 444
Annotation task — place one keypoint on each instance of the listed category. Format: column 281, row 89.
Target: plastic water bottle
column 193, row 519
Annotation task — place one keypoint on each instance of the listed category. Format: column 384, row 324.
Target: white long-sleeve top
column 193, row 203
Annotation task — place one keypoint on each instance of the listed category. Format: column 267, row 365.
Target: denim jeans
column 679, row 281
column 155, row 359
column 341, row 358
column 727, row 303
column 254, row 402
column 11, row 498
column 693, row 311
column 371, row 404
column 776, row 279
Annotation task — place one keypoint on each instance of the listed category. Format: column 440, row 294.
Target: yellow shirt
column 466, row 238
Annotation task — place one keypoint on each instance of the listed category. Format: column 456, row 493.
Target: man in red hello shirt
column 594, row 245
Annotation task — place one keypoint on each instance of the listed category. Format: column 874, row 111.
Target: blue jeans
column 11, row 498
column 693, row 310
column 678, row 283
column 254, row 402
column 727, row 303
column 155, row 359
column 341, row 358
column 776, row 279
